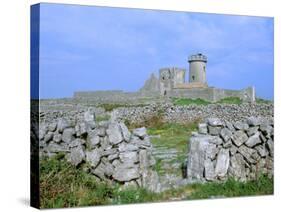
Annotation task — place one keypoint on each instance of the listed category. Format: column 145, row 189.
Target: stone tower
column 169, row 78
column 197, row 69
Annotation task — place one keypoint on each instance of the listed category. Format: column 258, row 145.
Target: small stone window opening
column 193, row 77
column 165, row 93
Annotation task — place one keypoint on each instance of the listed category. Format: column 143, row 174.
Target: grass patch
column 263, row 101
column 185, row 101
column 134, row 195
column 232, row 188
column 230, row 100
column 100, row 118
column 62, row 185
column 111, row 107
column 172, row 136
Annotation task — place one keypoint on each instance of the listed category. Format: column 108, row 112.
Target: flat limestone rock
column 222, row 163
column 239, row 137
column 114, row 133
column 140, row 132
column 89, row 117
column 76, row 142
column 93, row 139
column 202, row 128
column 214, row 130
column 237, row 167
column 150, row 181
column 247, row 153
column 196, row 156
column 241, row 125
column 129, row 157
column 48, row 137
column 209, row 170
column 52, row 126
column 57, row 138
column 93, row 157
column 214, row 122
column 55, row 148
column 253, row 121
column 67, row 135
column 77, row 155
column 211, row 151
column 270, row 145
column 125, row 132
column 252, row 130
column 253, row 140
column 126, row 174
column 100, row 171
column 62, row 124
column 229, row 125
column 262, row 150
column 124, row 147
column 225, row 134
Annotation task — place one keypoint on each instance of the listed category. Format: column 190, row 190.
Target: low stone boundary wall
column 110, row 151
column 182, row 114
column 242, row 150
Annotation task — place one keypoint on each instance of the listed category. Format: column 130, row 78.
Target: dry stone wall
column 243, row 150
column 107, row 149
column 182, row 114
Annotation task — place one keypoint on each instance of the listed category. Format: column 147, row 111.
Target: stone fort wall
column 209, row 94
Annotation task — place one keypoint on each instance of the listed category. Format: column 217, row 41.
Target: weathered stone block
column 77, row 155
column 237, row 167
column 226, row 134
column 114, row 133
column 140, row 132
column 68, row 135
column 253, row 140
column 239, row 137
column 214, row 122
column 252, row 130
column 222, row 163
column 247, row 153
column 127, row 157
column 209, row 170
column 93, row 157
column 202, row 128
column 214, row 130
column 239, row 125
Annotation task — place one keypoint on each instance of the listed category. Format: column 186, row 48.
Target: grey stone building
column 171, row 83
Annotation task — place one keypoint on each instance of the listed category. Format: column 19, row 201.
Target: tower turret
column 197, row 69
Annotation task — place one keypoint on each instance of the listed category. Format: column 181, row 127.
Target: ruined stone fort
column 171, row 83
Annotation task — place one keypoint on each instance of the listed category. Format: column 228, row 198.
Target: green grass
column 172, row 136
column 263, row 101
column 232, row 188
column 110, row 107
column 185, row 101
column 102, row 118
column 62, row 185
column 230, row 100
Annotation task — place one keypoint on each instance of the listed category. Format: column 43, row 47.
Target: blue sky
column 102, row 48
